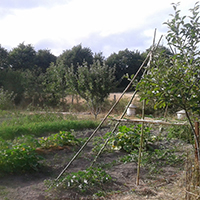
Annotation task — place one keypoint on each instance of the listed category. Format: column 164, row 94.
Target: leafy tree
column 12, row 81
column 76, row 56
column 3, row 58
column 44, row 58
column 175, row 79
column 33, row 87
column 55, row 83
column 93, row 83
column 99, row 57
column 126, row 62
column 22, row 57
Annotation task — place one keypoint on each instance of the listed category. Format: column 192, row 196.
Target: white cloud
column 64, row 23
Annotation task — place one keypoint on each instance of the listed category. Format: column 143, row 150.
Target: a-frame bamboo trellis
column 147, row 60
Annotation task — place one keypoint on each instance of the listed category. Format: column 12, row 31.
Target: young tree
column 175, row 79
column 55, row 83
column 93, row 83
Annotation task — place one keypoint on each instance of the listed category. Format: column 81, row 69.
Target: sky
column 106, row 26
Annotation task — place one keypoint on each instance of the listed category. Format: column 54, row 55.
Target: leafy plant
column 83, row 181
column 59, row 139
column 128, row 138
column 19, row 158
column 180, row 132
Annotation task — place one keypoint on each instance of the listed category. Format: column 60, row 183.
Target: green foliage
column 93, row 83
column 154, row 160
column 55, row 84
column 44, row 58
column 12, row 81
column 22, row 57
column 3, row 58
column 180, row 132
column 125, row 62
column 40, row 125
column 6, row 99
column 62, row 138
column 128, row 138
column 33, row 88
column 174, row 79
column 18, row 157
column 76, row 56
column 82, row 181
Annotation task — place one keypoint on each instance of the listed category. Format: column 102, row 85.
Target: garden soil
column 30, row 186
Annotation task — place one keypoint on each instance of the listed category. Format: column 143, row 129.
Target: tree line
column 39, row 77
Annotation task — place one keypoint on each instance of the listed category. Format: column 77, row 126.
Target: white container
column 181, row 114
column 131, row 110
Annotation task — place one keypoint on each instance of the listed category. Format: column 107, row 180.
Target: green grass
column 8, row 132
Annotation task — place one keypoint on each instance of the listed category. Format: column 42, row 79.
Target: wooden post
column 115, row 98
column 196, row 152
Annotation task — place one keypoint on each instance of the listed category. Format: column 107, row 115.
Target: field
column 162, row 174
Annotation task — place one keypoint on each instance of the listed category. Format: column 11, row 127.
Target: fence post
column 196, row 151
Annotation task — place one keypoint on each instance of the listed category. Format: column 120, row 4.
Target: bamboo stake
column 150, row 121
column 141, row 146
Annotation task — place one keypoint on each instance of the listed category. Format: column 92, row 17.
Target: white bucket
column 181, row 114
column 131, row 110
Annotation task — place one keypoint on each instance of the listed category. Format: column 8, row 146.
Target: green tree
column 126, row 62
column 44, row 58
column 175, row 79
column 76, row 56
column 55, row 84
column 12, row 81
column 3, row 58
column 33, row 86
column 22, row 57
column 93, row 83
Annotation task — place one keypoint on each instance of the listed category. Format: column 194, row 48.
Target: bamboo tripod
column 148, row 58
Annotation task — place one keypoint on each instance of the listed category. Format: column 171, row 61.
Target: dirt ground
column 30, row 186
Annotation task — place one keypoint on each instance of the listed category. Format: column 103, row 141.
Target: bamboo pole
column 141, row 146
column 159, row 122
